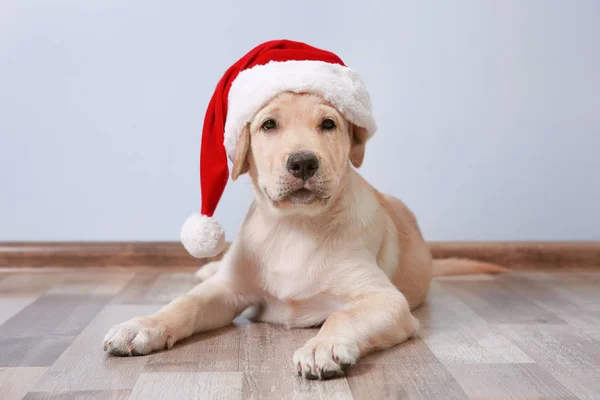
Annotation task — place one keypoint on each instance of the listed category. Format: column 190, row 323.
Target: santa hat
column 267, row 70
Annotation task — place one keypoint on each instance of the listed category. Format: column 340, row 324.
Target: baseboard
column 93, row 254
column 90, row 254
column 523, row 254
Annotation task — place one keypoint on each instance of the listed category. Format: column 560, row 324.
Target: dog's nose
column 303, row 164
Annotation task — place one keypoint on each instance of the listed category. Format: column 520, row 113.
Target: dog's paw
column 136, row 337
column 325, row 358
column 207, row 270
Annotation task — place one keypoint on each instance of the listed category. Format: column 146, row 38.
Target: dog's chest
column 295, row 284
column 293, row 267
column 299, row 314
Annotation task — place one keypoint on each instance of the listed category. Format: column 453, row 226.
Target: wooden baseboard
column 88, row 254
column 523, row 254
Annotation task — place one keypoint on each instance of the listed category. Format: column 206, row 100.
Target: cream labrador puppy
column 319, row 246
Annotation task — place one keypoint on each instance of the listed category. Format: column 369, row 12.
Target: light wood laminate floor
column 523, row 335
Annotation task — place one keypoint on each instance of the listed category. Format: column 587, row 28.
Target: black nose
column 303, row 164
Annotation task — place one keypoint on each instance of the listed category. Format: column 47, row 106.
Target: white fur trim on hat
column 254, row 87
column 202, row 236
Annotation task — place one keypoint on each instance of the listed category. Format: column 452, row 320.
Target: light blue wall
column 489, row 111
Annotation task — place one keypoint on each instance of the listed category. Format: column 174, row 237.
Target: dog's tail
column 461, row 266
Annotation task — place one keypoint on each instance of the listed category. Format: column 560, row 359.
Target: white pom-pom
column 202, row 236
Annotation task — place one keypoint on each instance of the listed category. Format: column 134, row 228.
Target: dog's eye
column 327, row 124
column 268, row 125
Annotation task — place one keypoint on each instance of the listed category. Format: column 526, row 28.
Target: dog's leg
column 371, row 322
column 207, row 270
column 210, row 305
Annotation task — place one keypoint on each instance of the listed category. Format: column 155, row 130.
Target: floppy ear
column 358, row 137
column 240, row 160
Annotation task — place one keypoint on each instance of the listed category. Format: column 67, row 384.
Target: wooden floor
column 522, row 335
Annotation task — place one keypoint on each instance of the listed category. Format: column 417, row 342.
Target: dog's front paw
column 136, row 337
column 325, row 358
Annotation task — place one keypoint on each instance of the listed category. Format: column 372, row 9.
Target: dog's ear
column 358, row 138
column 240, row 160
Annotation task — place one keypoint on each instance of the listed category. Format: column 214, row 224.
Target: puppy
column 319, row 246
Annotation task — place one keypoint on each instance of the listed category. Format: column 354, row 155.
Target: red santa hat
column 267, row 70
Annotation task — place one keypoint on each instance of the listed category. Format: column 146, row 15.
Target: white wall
column 489, row 111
